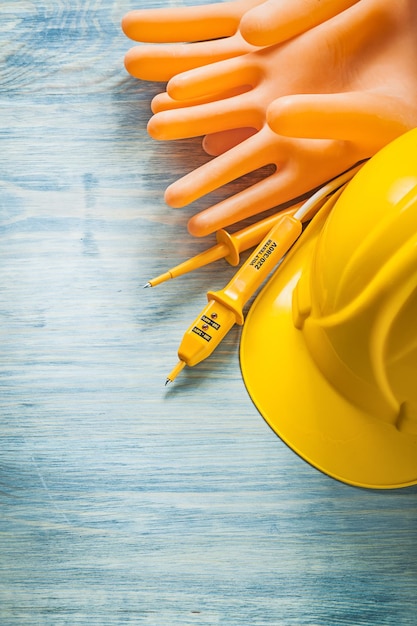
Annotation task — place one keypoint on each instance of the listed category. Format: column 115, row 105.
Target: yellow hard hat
column 329, row 348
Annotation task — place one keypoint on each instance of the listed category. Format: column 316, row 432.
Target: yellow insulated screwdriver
column 225, row 307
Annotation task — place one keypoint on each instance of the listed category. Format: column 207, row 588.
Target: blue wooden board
column 123, row 501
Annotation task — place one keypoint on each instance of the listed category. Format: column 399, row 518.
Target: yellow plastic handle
column 224, row 308
column 229, row 247
column 252, row 274
column 205, row 333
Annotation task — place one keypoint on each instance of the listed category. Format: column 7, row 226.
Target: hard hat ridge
column 354, row 344
column 340, row 315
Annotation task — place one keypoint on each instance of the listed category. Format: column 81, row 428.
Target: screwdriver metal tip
column 147, row 285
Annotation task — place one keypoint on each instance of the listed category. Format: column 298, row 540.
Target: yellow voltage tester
column 225, row 307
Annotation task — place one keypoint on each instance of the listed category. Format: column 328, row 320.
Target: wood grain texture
column 122, row 501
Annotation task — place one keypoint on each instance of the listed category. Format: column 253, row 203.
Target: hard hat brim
column 299, row 403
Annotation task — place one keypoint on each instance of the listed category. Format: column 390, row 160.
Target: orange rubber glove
column 214, row 29
column 351, row 80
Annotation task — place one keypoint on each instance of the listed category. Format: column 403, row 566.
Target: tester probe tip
column 159, row 279
column 177, row 369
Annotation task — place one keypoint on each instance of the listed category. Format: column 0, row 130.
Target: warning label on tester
column 201, row 333
column 213, row 324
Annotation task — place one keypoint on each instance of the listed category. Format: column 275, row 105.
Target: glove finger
column 195, row 23
column 201, row 81
column 164, row 102
column 274, row 22
column 240, row 160
column 370, row 120
column 218, row 143
column 205, row 119
column 162, row 62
